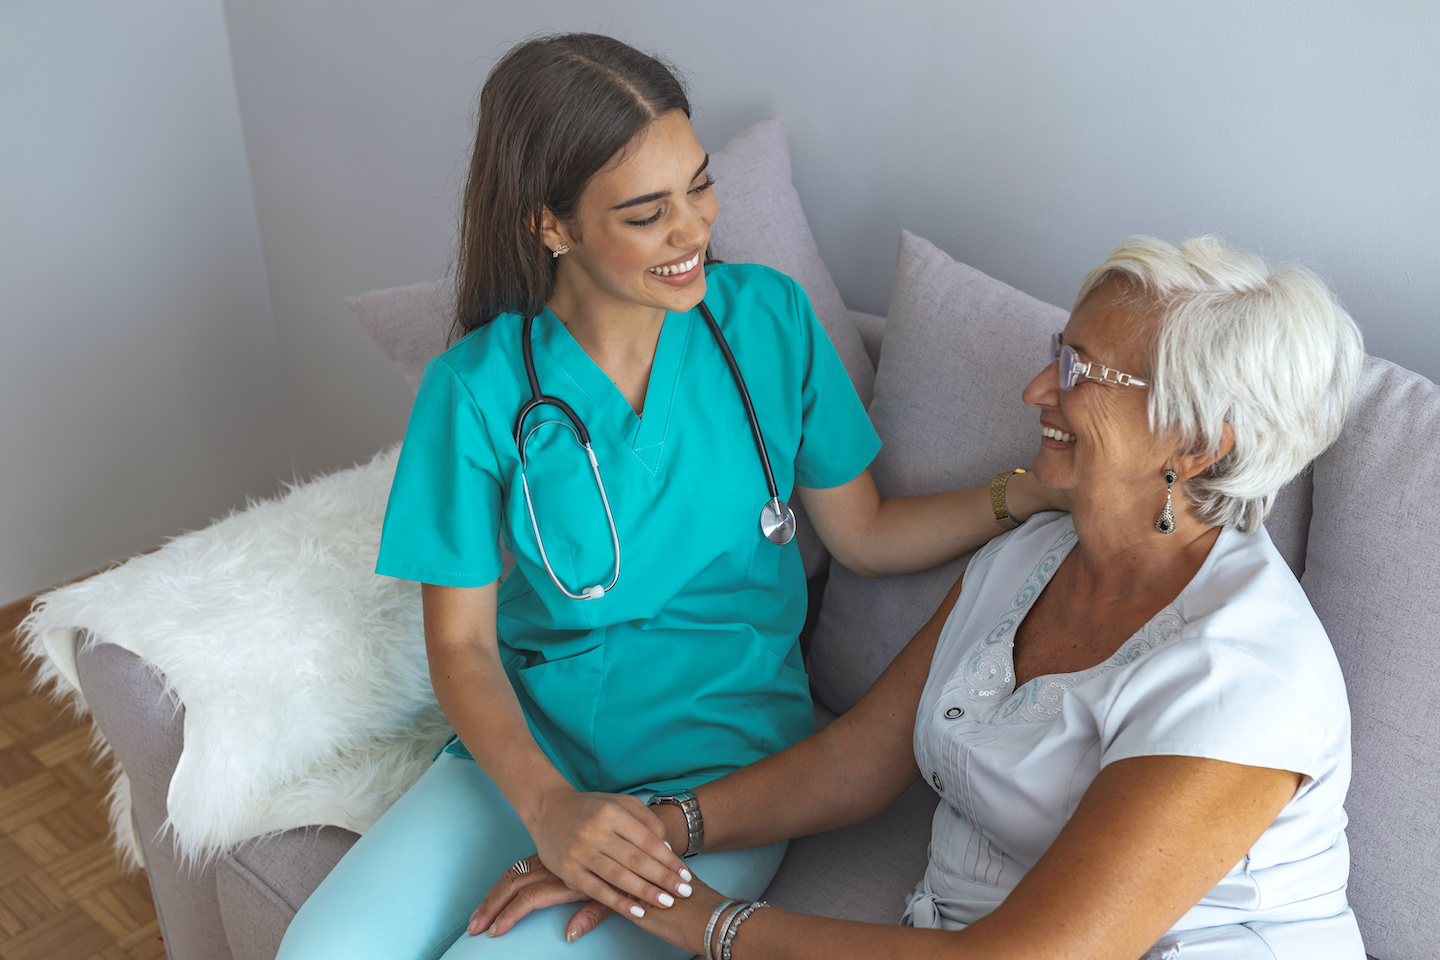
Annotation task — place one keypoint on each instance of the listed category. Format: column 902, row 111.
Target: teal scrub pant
column 406, row 890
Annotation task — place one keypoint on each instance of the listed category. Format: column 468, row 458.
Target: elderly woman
column 1133, row 719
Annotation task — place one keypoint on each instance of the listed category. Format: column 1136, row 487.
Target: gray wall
column 140, row 390
column 1026, row 139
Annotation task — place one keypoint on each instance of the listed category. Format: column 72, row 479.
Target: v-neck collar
column 644, row 435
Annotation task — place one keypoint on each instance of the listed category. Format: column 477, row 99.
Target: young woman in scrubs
column 588, row 209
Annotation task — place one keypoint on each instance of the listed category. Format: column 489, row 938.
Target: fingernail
column 667, row 845
column 686, row 876
column 666, row 900
column 684, row 890
column 637, row 912
column 572, row 935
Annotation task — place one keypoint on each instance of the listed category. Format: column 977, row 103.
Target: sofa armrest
column 143, row 722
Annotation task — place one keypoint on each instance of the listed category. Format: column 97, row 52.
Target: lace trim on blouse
column 989, row 671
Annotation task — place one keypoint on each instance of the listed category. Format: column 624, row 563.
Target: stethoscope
column 777, row 520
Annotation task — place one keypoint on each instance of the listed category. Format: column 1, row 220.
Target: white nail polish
column 684, row 890
column 666, row 900
column 686, row 875
column 637, row 912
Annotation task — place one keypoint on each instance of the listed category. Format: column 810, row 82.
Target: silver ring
column 521, row 866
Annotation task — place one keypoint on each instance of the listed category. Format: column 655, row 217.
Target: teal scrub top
column 690, row 667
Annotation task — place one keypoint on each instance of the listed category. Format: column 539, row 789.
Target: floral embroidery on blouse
column 990, row 669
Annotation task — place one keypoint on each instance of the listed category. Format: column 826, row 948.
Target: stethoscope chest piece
column 777, row 521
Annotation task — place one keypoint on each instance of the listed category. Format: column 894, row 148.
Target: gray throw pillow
column 1371, row 570
column 959, row 348
column 761, row 222
column 411, row 324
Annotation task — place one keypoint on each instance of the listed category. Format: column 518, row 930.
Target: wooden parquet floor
column 63, row 895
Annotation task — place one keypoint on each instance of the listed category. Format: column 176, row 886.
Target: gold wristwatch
column 997, row 499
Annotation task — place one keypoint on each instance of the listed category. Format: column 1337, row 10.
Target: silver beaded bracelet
column 732, row 926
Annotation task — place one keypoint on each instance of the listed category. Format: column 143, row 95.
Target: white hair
column 1267, row 350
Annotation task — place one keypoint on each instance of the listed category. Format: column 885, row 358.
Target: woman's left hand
column 516, row 894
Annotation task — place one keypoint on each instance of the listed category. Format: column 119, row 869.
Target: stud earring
column 1165, row 523
column 563, row 248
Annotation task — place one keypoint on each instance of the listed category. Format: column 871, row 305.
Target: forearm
column 878, row 537
column 775, row 934
column 823, row 782
column 480, row 704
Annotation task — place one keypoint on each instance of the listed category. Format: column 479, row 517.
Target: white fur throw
column 303, row 674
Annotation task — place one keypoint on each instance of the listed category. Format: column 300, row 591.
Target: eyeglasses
column 1071, row 369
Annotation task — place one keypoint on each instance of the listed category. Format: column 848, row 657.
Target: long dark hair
column 553, row 111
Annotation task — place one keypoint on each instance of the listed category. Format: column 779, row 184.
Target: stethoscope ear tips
column 593, row 593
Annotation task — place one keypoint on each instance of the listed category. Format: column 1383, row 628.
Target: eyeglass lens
column 1067, row 357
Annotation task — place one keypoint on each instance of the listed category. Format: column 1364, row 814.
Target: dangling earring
column 563, row 248
column 1165, row 523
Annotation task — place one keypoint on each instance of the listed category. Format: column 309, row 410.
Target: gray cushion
column 761, row 221
column 959, row 348
column 265, row 881
column 411, row 324
column 1289, row 521
column 872, row 332
column 1371, row 569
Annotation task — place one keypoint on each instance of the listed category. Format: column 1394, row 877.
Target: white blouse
column 1238, row 668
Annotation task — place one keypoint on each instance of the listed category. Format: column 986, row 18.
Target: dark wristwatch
column 694, row 823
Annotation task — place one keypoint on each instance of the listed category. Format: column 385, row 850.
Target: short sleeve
column 442, row 524
column 837, row 439
column 1202, row 698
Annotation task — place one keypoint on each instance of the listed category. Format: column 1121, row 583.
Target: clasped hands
column 609, row 849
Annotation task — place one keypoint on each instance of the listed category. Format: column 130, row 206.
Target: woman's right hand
column 608, row 847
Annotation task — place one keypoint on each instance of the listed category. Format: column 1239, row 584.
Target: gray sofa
column 945, row 370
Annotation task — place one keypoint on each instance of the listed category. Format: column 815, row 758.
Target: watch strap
column 694, row 823
column 997, row 498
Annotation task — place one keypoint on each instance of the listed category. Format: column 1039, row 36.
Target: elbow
column 859, row 557
column 857, row 566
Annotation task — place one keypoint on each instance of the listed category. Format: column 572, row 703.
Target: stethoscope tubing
column 589, row 593
column 777, row 522
column 745, row 399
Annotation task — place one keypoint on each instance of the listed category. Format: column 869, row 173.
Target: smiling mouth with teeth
column 677, row 268
column 1060, row 435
